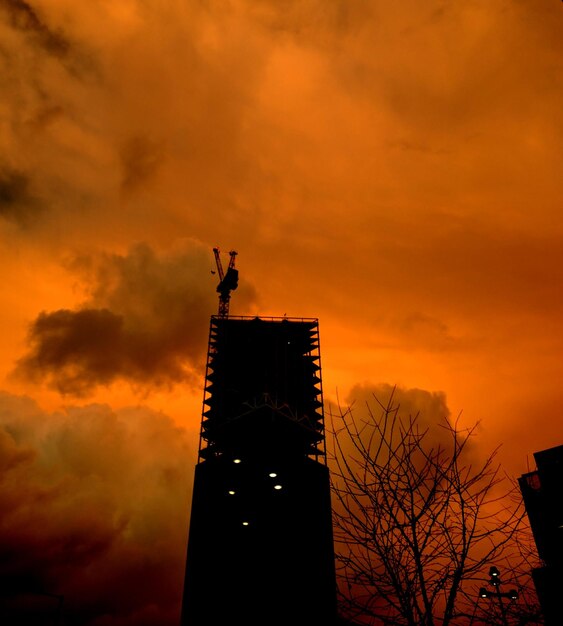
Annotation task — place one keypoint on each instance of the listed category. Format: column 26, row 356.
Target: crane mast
column 228, row 281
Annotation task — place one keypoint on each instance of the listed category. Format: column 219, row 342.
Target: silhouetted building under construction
column 542, row 491
column 260, row 547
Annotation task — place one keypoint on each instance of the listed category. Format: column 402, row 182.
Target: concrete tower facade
column 260, row 545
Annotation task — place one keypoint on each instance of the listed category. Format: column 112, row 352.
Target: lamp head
column 494, row 574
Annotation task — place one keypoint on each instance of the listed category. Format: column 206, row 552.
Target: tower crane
column 227, row 281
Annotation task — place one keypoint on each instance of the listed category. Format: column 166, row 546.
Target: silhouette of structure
column 260, row 545
column 542, row 491
column 227, row 281
column 495, row 582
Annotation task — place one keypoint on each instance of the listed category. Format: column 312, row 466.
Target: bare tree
column 418, row 520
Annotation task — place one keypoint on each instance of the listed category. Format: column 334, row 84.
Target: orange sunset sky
column 392, row 168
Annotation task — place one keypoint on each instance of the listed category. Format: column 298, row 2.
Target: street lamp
column 495, row 581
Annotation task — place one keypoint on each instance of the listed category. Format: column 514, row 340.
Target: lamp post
column 495, row 581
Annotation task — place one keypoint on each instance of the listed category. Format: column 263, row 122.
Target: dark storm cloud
column 24, row 17
column 80, row 348
column 18, row 203
column 146, row 322
column 94, row 508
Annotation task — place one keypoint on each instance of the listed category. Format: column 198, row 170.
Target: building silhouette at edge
column 260, row 544
column 542, row 491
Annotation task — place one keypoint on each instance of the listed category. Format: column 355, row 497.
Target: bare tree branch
column 418, row 523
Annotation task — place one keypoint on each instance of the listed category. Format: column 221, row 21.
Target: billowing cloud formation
column 429, row 408
column 94, row 508
column 145, row 321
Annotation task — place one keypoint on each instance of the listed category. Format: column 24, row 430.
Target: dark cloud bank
column 146, row 321
column 94, row 508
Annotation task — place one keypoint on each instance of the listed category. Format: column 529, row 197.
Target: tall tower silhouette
column 260, row 545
